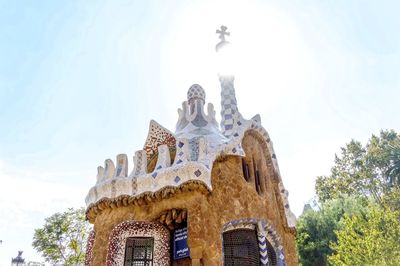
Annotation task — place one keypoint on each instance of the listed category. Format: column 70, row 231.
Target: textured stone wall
column 232, row 198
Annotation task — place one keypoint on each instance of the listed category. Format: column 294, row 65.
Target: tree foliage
column 62, row 239
column 368, row 233
column 365, row 171
column 316, row 228
column 368, row 239
column 393, row 172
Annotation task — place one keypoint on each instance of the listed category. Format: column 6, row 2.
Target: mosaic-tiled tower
column 198, row 196
column 229, row 110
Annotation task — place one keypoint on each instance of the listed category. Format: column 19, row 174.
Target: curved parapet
column 196, row 144
column 150, row 183
column 114, row 182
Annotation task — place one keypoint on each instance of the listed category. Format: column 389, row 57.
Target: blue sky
column 80, row 80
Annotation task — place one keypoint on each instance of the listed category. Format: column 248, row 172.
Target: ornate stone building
column 199, row 196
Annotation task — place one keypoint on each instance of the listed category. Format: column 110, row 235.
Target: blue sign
column 181, row 249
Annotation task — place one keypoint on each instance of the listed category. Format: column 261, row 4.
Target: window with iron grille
column 139, row 251
column 271, row 254
column 241, row 248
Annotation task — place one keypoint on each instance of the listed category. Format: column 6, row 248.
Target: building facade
column 201, row 195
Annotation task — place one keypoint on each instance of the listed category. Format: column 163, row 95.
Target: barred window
column 241, row 248
column 139, row 251
column 271, row 254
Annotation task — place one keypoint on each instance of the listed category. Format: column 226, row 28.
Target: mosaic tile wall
column 89, row 248
column 157, row 135
column 117, row 241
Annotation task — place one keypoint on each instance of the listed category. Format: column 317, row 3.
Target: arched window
column 257, row 180
column 246, row 171
column 241, row 248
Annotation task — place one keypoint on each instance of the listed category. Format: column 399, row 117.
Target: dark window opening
column 139, row 251
column 257, row 178
column 246, row 172
column 241, row 248
column 258, row 184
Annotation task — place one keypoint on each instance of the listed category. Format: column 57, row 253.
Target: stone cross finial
column 222, row 32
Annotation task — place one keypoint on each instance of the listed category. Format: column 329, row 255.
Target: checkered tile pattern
column 229, row 108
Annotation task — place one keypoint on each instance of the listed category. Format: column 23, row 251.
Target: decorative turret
column 193, row 123
column 196, row 93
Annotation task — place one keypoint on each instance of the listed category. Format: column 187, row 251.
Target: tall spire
column 229, row 110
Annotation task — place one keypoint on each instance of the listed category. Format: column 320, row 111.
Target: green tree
column 368, row 232
column 364, row 171
column 368, row 239
column 315, row 228
column 393, row 172
column 62, row 240
column 392, row 198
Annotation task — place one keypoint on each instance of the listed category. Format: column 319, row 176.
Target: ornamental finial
column 222, row 33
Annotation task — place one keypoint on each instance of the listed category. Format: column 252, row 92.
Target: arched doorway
column 176, row 221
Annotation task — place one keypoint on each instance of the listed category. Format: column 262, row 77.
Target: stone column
column 196, row 224
column 196, row 254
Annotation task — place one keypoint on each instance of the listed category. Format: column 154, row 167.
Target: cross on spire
column 222, row 32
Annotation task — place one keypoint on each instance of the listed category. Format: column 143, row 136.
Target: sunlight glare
column 269, row 55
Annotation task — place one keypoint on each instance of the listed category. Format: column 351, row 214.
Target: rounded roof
column 196, row 92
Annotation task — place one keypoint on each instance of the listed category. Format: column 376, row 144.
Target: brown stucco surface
column 232, row 198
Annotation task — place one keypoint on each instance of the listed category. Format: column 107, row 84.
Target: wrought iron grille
column 139, row 251
column 271, row 254
column 241, row 248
